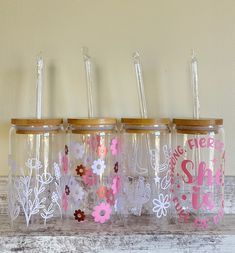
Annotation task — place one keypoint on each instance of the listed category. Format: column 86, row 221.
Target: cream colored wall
column 164, row 31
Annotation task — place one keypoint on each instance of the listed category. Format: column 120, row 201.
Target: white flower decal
column 77, row 192
column 161, row 205
column 57, row 171
column 45, row 178
column 54, row 197
column 77, row 150
column 33, row 163
column 98, row 167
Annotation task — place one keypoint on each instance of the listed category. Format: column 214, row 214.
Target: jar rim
column 92, row 121
column 37, row 122
column 145, row 121
column 197, row 122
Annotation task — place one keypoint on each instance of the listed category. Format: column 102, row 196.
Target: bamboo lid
column 146, row 121
column 92, row 121
column 36, row 122
column 198, row 122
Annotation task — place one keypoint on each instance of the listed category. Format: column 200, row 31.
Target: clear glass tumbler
column 92, row 180
column 197, row 166
column 35, row 178
column 146, row 148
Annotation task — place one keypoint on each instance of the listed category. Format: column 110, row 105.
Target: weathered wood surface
column 137, row 238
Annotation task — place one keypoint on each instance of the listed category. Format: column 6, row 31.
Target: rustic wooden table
column 139, row 238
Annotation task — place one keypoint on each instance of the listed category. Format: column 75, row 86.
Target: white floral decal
column 141, row 195
column 77, row 192
column 29, row 197
column 57, row 171
column 77, row 150
column 98, row 167
column 161, row 205
column 34, row 164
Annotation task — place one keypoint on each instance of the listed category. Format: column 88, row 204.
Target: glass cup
column 146, row 148
column 93, row 176
column 35, row 196
column 197, row 169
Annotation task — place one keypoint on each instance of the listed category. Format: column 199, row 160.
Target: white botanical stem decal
column 30, row 193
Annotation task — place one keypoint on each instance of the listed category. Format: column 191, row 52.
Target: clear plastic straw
column 140, row 84
column 39, row 87
column 194, row 71
column 89, row 80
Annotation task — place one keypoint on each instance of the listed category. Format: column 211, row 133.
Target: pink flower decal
column 65, row 164
column 65, row 201
column 102, row 213
column 102, row 151
column 110, row 197
column 116, row 185
column 114, row 146
column 94, row 142
column 101, row 192
column 89, row 178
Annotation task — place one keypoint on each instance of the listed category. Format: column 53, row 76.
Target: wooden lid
column 36, row 122
column 147, row 121
column 198, row 122
column 92, row 121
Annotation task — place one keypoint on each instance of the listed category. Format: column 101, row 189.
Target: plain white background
column 163, row 31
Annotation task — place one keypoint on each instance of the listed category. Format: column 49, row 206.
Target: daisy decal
column 98, row 167
column 102, row 213
column 79, row 215
column 81, row 170
column 77, row 150
column 160, row 205
column 102, row 151
column 114, row 146
column 89, row 178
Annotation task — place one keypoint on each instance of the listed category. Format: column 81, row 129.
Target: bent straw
column 196, row 104
column 141, row 97
column 89, row 80
column 140, row 84
column 194, row 74
column 39, row 87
